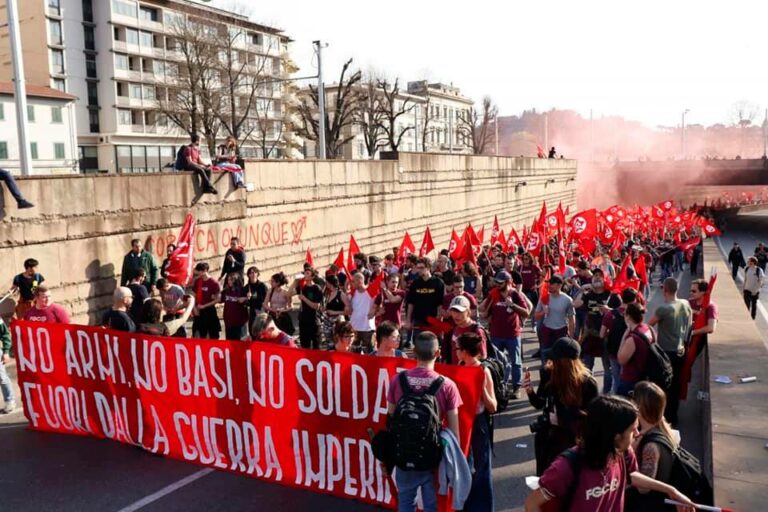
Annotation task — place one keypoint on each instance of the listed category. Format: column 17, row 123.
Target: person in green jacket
column 5, row 356
column 139, row 258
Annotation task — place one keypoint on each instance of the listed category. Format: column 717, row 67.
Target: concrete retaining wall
column 82, row 225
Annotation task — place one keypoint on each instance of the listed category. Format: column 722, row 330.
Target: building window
column 54, row 6
column 124, row 117
column 256, row 38
column 57, row 61
column 131, row 36
column 93, row 120
column 135, row 91
column 90, row 66
column 31, row 113
column 147, row 14
column 93, row 94
column 149, row 92
column 56, row 115
column 125, row 8
column 58, row 151
column 33, row 150
column 121, row 61
column 146, row 39
column 2, row 111
column 90, row 38
column 3, row 150
column 59, row 84
column 88, row 10
column 54, row 26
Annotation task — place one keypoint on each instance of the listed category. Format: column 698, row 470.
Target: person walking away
column 761, row 253
column 363, row 313
column 595, row 303
column 45, row 310
column 736, row 259
column 612, row 331
column 117, row 317
column 137, row 258
column 188, row 159
column 234, row 259
column 416, row 382
column 311, row 298
column 25, row 283
column 207, row 294
column 235, row 309
column 480, row 497
column 13, row 188
column 172, row 297
column 5, row 358
column 594, row 475
column 633, row 351
column 557, row 317
column 140, row 294
column 673, row 320
column 753, row 282
column 565, row 389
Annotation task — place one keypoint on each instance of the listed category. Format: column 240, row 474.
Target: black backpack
column 181, row 159
column 616, row 334
column 496, row 362
column 658, row 368
column 686, row 475
column 415, row 427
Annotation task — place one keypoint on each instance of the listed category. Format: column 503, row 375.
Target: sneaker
column 515, row 393
column 9, row 407
column 210, row 190
column 23, row 204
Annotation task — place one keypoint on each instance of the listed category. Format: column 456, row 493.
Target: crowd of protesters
column 463, row 313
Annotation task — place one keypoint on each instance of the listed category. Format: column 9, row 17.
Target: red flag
column 513, row 241
column 622, row 280
column 473, row 239
column 374, row 287
column 640, row 270
column 544, row 290
column 710, row 229
column 308, row 258
column 584, row 224
column 665, row 205
column 455, row 246
column 182, row 259
column 502, row 240
column 525, row 235
column 561, row 255
column 340, row 260
column 351, row 252
column 406, row 247
column 427, row 245
column 543, row 214
column 699, row 320
column 480, row 235
column 495, row 230
column 535, row 243
column 467, row 253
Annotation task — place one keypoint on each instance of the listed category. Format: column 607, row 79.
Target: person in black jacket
column 736, row 259
column 565, row 389
column 234, row 259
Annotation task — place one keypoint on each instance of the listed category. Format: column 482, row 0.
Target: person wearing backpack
column 481, row 493
column 188, row 159
column 593, row 475
column 673, row 320
column 612, row 331
column 419, row 402
column 633, row 351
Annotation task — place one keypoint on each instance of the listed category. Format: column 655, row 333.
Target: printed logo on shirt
column 38, row 318
column 425, row 291
column 600, row 491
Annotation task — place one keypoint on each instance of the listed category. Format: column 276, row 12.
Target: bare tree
column 393, row 109
column 742, row 114
column 340, row 113
column 476, row 126
column 370, row 116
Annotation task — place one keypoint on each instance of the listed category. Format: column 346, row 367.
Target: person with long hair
column 565, row 389
column 256, row 291
column 480, row 496
column 633, row 351
column 593, row 475
column 278, row 304
column 227, row 159
column 343, row 337
column 335, row 306
column 234, row 298
column 471, row 279
column 152, row 312
column 653, row 447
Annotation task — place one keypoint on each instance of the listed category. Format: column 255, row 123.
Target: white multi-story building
column 118, row 57
column 50, row 130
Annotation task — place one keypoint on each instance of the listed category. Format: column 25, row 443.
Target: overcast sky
column 647, row 61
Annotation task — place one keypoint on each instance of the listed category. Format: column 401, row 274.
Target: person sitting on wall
column 188, row 159
column 21, row 203
column 227, row 159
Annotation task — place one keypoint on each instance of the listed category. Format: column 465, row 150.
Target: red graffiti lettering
column 211, row 242
column 226, row 237
column 198, row 246
column 266, row 234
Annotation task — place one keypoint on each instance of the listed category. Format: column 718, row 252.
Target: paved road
column 41, row 472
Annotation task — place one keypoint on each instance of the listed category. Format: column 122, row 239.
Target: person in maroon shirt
column 390, row 302
column 190, row 161
column 633, row 352
column 207, row 294
column 234, row 298
column 45, row 310
column 456, row 287
column 531, row 274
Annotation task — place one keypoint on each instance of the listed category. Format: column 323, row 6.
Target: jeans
column 514, row 352
column 581, row 317
column 750, row 299
column 734, row 271
column 408, row 482
column 624, row 388
column 673, row 396
column 5, row 385
column 234, row 333
column 11, row 184
column 615, row 375
column 589, row 362
column 480, row 497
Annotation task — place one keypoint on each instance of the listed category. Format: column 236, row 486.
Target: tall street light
column 25, row 157
column 682, row 134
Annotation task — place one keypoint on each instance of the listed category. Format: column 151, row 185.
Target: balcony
column 123, row 101
column 137, row 128
column 158, row 53
column 120, row 46
column 154, row 26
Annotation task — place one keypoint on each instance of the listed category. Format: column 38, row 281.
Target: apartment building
column 50, row 130
column 124, row 61
column 436, row 109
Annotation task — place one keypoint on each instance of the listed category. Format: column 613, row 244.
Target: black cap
column 565, row 348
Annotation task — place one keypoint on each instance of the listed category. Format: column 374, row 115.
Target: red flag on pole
column 406, row 247
column 710, row 229
column 470, row 231
column 544, row 289
column 480, row 235
column 584, row 224
column 374, row 287
column 502, row 240
column 351, row 252
column 455, row 246
column 308, row 258
column 641, row 271
column 495, row 230
column 513, row 239
column 427, row 245
column 340, row 260
column 182, row 259
column 467, row 252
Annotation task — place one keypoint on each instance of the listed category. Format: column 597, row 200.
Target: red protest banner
column 290, row 416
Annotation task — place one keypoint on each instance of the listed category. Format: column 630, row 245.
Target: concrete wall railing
column 82, row 225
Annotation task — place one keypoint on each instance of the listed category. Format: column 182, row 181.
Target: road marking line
column 16, row 425
column 168, row 489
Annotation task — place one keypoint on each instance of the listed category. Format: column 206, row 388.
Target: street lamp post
column 682, row 135
column 320, row 100
column 25, row 156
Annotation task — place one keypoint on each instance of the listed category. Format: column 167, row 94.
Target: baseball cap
column 460, row 303
column 565, row 348
column 502, row 276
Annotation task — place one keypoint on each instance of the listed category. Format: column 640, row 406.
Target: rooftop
column 36, row 91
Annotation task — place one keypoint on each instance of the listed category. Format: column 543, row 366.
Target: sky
column 647, row 61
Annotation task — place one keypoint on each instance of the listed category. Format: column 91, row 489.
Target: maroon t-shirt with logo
column 235, row 312
column 530, row 275
column 504, row 324
column 205, row 290
column 392, row 310
column 598, row 490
